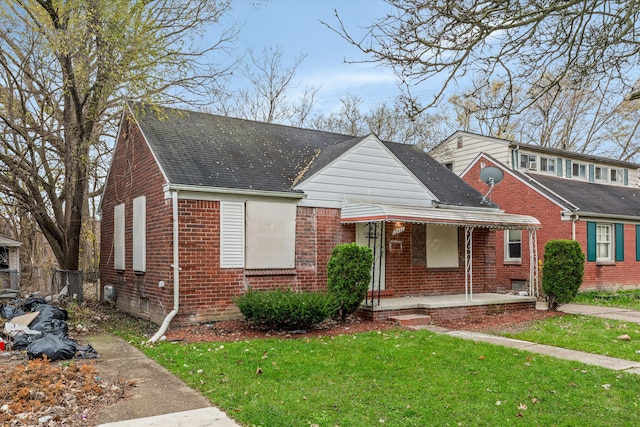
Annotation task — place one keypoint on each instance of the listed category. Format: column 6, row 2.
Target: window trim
column 582, row 167
column 530, row 161
column 548, row 161
column 507, row 241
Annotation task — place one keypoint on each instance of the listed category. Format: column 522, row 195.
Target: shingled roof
column 592, row 197
column 208, row 150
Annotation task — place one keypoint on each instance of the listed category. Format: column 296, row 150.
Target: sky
column 295, row 26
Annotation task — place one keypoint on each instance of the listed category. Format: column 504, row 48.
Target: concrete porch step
column 411, row 319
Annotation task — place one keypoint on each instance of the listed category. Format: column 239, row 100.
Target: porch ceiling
column 357, row 212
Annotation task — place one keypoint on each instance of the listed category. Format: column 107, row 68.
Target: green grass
column 621, row 299
column 585, row 333
column 399, row 378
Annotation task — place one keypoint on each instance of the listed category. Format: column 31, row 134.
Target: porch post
column 533, row 263
column 468, row 262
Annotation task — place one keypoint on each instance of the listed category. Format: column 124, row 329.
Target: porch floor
column 446, row 306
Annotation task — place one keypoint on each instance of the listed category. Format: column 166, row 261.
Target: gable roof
column 206, row 150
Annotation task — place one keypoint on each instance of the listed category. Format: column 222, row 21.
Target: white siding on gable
column 231, row 234
column 472, row 145
column 368, row 173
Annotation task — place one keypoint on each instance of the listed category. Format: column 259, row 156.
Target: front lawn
column 586, row 333
column 621, row 299
column 398, row 378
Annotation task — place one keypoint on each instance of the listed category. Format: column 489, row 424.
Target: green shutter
column 569, row 170
column 592, row 173
column 591, row 241
column 625, row 174
column 559, row 166
column 637, row 242
column 619, row 242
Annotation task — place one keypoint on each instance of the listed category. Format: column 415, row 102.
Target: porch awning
column 356, row 212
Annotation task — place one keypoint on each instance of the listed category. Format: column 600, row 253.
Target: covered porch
column 443, row 297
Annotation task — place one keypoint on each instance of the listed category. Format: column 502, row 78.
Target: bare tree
column 65, row 67
column 520, row 43
column 389, row 123
column 267, row 96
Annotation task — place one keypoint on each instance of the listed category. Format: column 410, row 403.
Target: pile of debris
column 41, row 330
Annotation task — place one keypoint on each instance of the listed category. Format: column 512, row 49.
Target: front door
column 371, row 234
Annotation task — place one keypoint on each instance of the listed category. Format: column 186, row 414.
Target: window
column 513, row 245
column 459, row 142
column 603, row 242
column 118, row 237
column 442, row 246
column 601, row 173
column 547, row 164
column 270, row 235
column 579, row 170
column 257, row 235
column 449, row 166
column 139, row 234
column 616, row 175
column 528, row 161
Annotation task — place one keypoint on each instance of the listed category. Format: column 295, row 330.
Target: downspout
column 573, row 226
column 176, row 273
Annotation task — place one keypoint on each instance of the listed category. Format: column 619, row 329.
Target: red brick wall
column 406, row 263
column 513, row 196
column 134, row 173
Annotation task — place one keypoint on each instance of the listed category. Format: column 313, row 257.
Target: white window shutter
column 231, row 234
column 140, row 234
column 118, row 237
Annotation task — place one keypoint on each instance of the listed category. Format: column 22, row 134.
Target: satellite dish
column 490, row 175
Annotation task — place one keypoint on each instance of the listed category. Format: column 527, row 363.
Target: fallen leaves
column 65, row 393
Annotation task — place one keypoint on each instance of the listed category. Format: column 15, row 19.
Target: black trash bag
column 48, row 311
column 21, row 341
column 9, row 312
column 50, row 326
column 28, row 304
column 86, row 352
column 53, row 346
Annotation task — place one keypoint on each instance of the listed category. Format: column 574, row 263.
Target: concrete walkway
column 162, row 400
column 159, row 399
column 612, row 363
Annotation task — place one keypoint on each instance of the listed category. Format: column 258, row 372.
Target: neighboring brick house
column 590, row 199
column 197, row 208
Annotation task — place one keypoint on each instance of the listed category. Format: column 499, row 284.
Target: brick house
column 197, row 208
column 591, row 199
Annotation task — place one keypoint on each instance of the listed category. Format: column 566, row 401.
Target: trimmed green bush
column 285, row 309
column 562, row 271
column 349, row 274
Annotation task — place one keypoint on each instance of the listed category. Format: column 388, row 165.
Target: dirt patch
column 240, row 330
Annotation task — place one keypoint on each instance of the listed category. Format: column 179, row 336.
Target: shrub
column 348, row 276
column 562, row 271
column 285, row 309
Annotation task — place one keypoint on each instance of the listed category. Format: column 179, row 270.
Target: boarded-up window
column 118, row 237
column 271, row 235
column 442, row 246
column 140, row 234
column 231, row 234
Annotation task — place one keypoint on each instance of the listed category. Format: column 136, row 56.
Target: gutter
column 240, row 191
column 176, row 273
column 603, row 216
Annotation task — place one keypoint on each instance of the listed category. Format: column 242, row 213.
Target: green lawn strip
column 398, row 378
column 585, row 333
column 621, row 299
